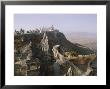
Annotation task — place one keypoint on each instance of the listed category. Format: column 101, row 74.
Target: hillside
column 34, row 53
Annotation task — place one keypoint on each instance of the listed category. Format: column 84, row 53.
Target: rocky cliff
column 42, row 54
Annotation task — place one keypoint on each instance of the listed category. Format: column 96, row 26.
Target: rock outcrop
column 44, row 44
column 72, row 70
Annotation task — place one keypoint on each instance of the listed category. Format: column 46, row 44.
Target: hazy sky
column 64, row 22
